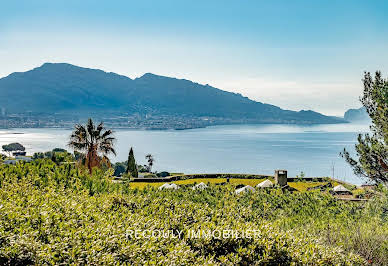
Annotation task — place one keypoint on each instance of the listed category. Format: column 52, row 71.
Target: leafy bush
column 57, row 155
column 163, row 174
column 119, row 168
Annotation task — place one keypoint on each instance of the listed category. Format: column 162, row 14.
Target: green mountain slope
column 65, row 88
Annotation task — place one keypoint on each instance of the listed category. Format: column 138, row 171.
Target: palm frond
column 92, row 141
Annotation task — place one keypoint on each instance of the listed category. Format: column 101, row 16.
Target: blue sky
column 295, row 54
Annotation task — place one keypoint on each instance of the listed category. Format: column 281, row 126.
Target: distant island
column 357, row 115
column 60, row 94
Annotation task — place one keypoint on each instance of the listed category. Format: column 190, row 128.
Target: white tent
column 341, row 189
column 168, row 186
column 247, row 188
column 265, row 184
column 200, row 186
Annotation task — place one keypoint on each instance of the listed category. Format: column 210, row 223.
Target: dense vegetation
column 58, row 213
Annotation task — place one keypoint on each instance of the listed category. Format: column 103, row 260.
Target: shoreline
column 185, row 128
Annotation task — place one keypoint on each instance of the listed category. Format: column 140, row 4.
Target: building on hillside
column 245, row 189
column 200, row 186
column 169, row 186
column 18, row 159
column 265, row 184
column 341, row 190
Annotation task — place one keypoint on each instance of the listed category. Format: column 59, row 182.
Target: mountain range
column 63, row 88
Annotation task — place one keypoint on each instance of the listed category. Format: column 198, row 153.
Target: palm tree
column 96, row 143
column 150, row 159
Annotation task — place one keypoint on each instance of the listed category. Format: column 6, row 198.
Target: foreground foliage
column 58, row 214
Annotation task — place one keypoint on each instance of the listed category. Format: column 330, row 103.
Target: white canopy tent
column 265, row 184
column 245, row 189
column 341, row 189
column 169, row 186
column 200, row 186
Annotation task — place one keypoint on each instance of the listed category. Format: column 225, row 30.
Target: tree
column 79, row 156
column 372, row 149
column 120, row 168
column 142, row 168
column 131, row 164
column 13, row 147
column 59, row 150
column 38, row 155
column 150, row 160
column 95, row 142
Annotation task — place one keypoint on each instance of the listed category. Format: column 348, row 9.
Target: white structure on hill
column 340, row 189
column 18, row 159
column 169, row 186
column 245, row 189
column 265, row 184
column 200, row 186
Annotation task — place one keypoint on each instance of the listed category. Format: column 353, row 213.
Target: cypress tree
column 131, row 164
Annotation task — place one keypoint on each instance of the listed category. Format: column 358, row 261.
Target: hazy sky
column 294, row 54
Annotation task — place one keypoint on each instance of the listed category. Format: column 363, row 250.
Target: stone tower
column 281, row 177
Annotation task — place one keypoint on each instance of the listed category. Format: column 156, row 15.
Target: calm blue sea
column 256, row 149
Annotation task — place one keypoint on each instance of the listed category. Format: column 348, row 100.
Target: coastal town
column 128, row 121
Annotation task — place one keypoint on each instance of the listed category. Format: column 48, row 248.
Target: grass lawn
column 142, row 185
column 199, row 180
column 303, row 186
column 251, row 182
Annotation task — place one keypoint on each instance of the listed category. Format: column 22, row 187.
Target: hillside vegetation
column 60, row 214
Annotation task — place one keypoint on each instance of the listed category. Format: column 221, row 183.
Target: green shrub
column 59, row 214
column 163, row 174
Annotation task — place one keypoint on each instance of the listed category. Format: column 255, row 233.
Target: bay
column 255, row 149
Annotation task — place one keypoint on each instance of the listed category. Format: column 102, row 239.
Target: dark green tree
column 13, row 147
column 59, row 150
column 372, row 149
column 120, row 168
column 131, row 164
